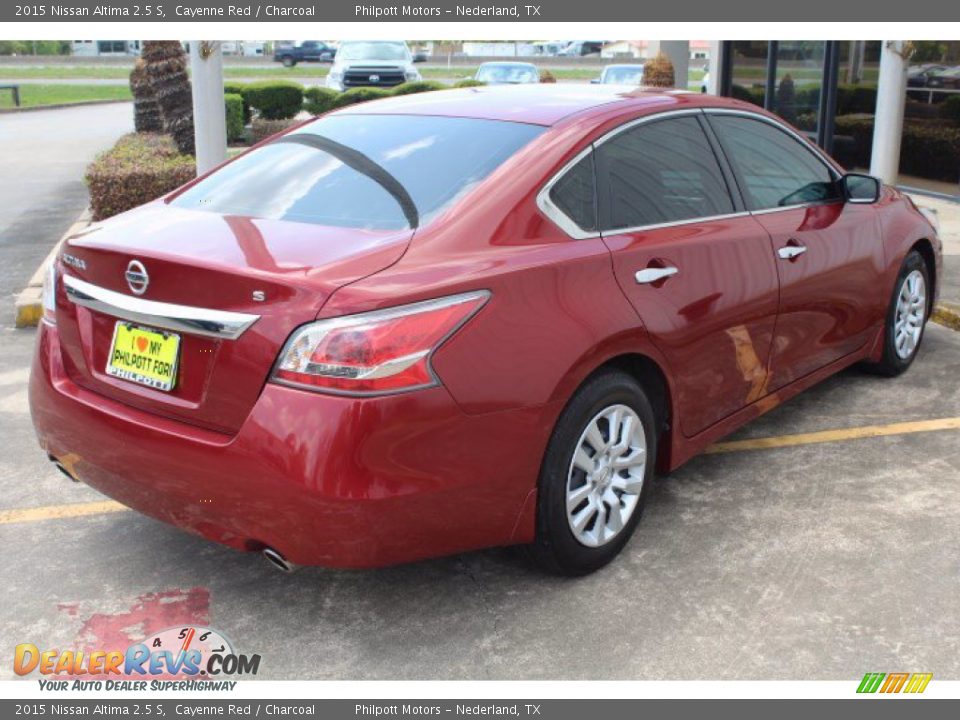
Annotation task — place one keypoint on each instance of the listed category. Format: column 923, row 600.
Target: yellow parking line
column 57, row 512
column 823, row 436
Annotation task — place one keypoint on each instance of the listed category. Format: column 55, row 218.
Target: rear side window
column 659, row 172
column 575, row 195
column 775, row 169
column 377, row 172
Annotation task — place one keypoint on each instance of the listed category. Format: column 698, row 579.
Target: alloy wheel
column 911, row 311
column 606, row 475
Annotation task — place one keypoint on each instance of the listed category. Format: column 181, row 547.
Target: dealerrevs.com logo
column 176, row 654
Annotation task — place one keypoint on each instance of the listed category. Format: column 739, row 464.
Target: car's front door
column 828, row 252
column 697, row 269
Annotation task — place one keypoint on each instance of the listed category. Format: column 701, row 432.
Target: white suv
column 370, row 63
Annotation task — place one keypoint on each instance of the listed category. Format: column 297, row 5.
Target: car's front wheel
column 906, row 316
column 595, row 476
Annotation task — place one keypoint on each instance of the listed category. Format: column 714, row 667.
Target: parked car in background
column 918, row 75
column 307, row 51
column 467, row 318
column 372, row 63
column 947, row 79
column 621, row 75
column 507, row 73
column 580, row 48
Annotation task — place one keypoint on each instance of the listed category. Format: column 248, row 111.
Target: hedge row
column 851, row 100
column 928, row 150
column 319, row 100
column 283, row 99
column 141, row 167
column 235, row 123
column 272, row 99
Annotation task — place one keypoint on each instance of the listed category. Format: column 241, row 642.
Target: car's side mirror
column 595, row 81
column 859, row 188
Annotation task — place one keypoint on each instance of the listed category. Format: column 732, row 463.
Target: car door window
column 659, row 172
column 575, row 195
column 774, row 168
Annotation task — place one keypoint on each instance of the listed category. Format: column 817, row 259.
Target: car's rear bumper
column 324, row 480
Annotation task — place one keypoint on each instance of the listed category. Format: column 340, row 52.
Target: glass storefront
column 828, row 90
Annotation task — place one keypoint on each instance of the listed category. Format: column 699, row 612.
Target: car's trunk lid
column 281, row 272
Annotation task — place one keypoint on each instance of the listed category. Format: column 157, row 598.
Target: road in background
column 44, row 154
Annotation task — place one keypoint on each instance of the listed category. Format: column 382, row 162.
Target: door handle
column 789, row 252
column 654, row 274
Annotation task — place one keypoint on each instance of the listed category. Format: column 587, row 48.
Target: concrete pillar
column 209, row 114
column 679, row 53
column 716, row 68
column 888, row 121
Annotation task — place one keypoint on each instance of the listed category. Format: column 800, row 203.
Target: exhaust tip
column 62, row 468
column 278, row 561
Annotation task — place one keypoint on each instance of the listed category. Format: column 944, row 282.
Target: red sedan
column 463, row 319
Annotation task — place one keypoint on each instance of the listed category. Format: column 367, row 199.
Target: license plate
column 144, row 356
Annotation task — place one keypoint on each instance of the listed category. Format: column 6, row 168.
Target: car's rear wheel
column 289, row 62
column 595, row 476
column 906, row 316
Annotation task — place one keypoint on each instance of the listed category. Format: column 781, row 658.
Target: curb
column 948, row 315
column 28, row 305
column 59, row 106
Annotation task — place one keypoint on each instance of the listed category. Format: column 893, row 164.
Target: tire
column 559, row 548
column 289, row 62
column 898, row 356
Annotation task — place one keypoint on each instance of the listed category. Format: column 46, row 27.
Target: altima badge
column 137, row 277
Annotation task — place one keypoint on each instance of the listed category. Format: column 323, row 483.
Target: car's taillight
column 376, row 352
column 48, row 295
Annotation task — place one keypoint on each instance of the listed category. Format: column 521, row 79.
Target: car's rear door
column 696, row 267
column 828, row 252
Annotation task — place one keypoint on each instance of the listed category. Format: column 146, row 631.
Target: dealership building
column 867, row 103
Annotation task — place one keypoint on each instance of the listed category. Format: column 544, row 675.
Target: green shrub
column 468, row 83
column 275, row 99
column 234, row 110
column 237, row 88
column 359, row 95
column 950, row 109
column 926, row 150
column 753, row 95
column 141, row 167
column 318, row 100
column 409, row 88
column 261, row 128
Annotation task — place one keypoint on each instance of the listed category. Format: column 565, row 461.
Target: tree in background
column 165, row 65
column 787, row 100
column 146, row 110
column 658, row 72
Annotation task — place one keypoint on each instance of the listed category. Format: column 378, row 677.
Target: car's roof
column 623, row 65
column 544, row 104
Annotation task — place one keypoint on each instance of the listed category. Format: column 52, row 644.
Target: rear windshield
column 378, row 172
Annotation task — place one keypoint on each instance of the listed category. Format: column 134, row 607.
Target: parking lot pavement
column 820, row 560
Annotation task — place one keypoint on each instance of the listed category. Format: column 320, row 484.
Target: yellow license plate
column 144, row 356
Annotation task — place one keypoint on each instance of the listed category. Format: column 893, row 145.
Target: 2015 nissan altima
column 467, row 318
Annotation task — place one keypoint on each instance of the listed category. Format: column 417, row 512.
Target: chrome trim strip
column 798, row 206
column 220, row 324
column 676, row 223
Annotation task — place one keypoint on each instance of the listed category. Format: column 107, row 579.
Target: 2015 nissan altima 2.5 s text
column 467, row 318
